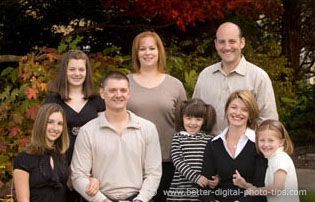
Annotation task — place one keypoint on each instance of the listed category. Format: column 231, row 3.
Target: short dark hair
column 195, row 108
column 113, row 75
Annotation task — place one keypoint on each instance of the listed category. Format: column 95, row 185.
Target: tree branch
column 106, row 25
column 9, row 58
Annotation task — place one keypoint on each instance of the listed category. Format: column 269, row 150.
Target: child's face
column 268, row 142
column 192, row 124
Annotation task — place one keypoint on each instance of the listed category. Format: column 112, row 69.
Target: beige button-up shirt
column 125, row 163
column 214, row 87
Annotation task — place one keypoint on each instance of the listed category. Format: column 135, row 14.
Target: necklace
column 232, row 145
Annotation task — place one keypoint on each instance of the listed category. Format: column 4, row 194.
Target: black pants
column 168, row 170
column 73, row 196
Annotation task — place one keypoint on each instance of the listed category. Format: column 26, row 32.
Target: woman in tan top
column 154, row 95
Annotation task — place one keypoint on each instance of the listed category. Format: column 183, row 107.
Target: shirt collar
column 132, row 123
column 279, row 150
column 185, row 133
column 249, row 134
column 239, row 69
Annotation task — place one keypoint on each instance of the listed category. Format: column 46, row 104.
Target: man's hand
column 107, row 200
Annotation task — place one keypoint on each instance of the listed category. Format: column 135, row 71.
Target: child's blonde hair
column 280, row 131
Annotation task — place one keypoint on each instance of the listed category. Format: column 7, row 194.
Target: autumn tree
column 298, row 37
column 29, row 23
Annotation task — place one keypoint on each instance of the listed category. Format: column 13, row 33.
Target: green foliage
column 295, row 103
column 268, row 57
column 299, row 116
column 187, row 66
column 25, row 89
column 70, row 44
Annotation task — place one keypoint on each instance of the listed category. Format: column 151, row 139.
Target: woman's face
column 148, row 53
column 54, row 127
column 237, row 113
column 76, row 72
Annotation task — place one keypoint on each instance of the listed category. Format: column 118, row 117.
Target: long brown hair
column 250, row 102
column 61, row 87
column 38, row 144
column 136, row 46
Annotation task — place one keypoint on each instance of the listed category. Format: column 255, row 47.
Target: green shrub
column 26, row 88
column 309, row 197
column 299, row 115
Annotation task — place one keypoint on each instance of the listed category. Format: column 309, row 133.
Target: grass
column 309, row 197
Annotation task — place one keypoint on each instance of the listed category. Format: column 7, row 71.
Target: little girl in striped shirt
column 194, row 121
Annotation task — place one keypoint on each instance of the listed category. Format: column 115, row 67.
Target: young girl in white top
column 194, row 121
column 273, row 141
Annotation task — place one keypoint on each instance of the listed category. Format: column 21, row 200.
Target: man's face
column 229, row 44
column 116, row 94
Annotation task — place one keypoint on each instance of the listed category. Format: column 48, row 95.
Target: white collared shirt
column 248, row 135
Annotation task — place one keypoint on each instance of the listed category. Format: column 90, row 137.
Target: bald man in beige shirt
column 216, row 82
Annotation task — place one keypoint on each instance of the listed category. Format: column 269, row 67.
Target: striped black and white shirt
column 187, row 156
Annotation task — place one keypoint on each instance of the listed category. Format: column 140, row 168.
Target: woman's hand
column 93, row 186
column 202, row 181
column 239, row 181
column 69, row 183
column 214, row 182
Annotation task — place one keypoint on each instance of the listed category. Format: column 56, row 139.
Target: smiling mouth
column 147, row 60
column 237, row 118
column 53, row 134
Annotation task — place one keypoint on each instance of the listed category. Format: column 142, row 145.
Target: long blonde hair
column 38, row 144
